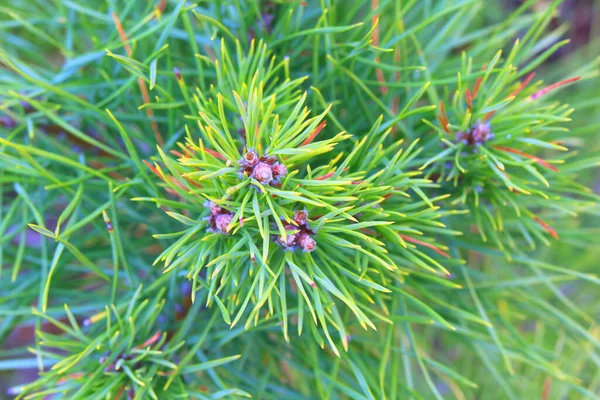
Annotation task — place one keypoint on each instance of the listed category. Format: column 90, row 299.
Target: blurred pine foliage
column 299, row 199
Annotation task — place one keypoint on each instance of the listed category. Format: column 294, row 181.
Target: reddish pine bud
column 250, row 159
column 307, row 243
column 302, row 236
column 462, row 137
column 268, row 159
column 279, row 170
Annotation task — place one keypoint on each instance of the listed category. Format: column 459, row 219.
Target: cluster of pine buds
column 300, row 235
column 266, row 169
column 219, row 218
column 477, row 135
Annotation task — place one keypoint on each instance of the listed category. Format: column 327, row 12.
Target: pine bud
column 302, row 236
column 222, row 221
column 214, row 209
column 266, row 169
column 462, row 137
column 250, row 159
column 305, row 242
column 263, row 173
column 301, row 218
column 290, row 240
column 481, row 133
column 268, row 159
column 279, row 170
column 219, row 218
column 476, row 135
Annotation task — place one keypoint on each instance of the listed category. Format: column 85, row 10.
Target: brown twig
column 526, row 155
column 378, row 71
column 547, row 227
column 141, row 83
column 428, row 245
column 314, row 133
column 556, row 85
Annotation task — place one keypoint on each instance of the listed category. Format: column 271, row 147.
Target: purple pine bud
column 477, row 135
column 279, row 170
column 290, row 240
column 266, row 169
column 263, row 173
column 214, row 209
column 222, row 221
column 302, row 238
column 219, row 218
column 301, row 218
column 480, row 133
column 462, row 137
column 307, row 243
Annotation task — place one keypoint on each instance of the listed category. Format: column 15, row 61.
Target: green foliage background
column 433, row 276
